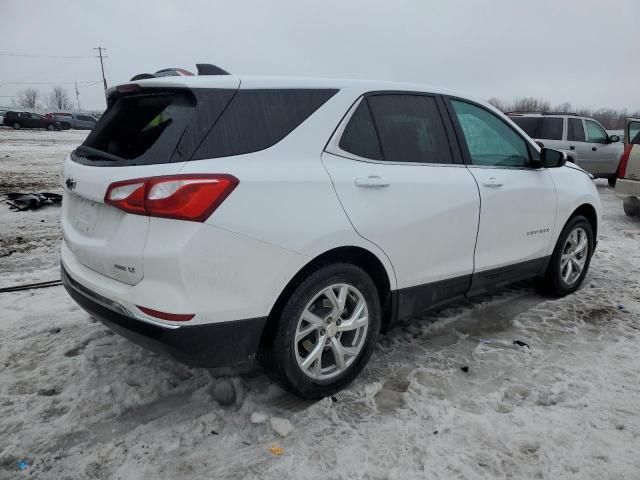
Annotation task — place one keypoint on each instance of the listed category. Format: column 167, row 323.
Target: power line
column 2, row 54
column 92, row 82
column 99, row 48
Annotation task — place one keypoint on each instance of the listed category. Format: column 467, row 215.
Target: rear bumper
column 627, row 188
column 203, row 345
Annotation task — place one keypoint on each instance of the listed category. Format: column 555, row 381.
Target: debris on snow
column 281, row 426
column 276, row 450
column 224, row 393
column 465, row 368
column 521, row 344
column 259, row 417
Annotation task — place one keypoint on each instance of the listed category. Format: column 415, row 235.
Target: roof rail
column 542, row 113
column 561, row 113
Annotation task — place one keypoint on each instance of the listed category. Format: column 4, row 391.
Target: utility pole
column 104, row 81
column 78, row 96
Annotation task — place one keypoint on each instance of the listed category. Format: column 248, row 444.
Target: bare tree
column 563, row 107
column 28, row 98
column 531, row 104
column 609, row 118
column 59, row 99
column 499, row 104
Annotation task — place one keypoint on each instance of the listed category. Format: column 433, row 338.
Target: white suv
column 224, row 219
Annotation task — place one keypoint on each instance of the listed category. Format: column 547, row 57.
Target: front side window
column 634, row 133
column 596, row 132
column 575, row 130
column 551, row 128
column 490, row 140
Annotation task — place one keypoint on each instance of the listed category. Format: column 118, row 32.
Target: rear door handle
column 492, row 182
column 572, row 147
column 372, row 181
column 594, row 148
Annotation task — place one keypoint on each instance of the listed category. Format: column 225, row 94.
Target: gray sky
column 581, row 51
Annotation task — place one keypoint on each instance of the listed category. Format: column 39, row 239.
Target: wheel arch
column 354, row 255
column 589, row 212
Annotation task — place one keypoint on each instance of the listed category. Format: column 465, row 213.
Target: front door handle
column 594, row 148
column 572, row 147
column 492, row 182
column 372, row 181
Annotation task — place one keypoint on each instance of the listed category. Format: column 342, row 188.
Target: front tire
column 51, row 127
column 612, row 181
column 570, row 259
column 16, row 126
column 326, row 332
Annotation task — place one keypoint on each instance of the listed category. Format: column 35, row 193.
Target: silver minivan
column 583, row 139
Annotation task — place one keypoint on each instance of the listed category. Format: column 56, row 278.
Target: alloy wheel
column 331, row 331
column 574, row 255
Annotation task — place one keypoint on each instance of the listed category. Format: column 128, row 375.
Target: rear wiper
column 93, row 152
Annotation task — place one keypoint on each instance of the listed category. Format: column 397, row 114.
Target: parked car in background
column 2, row 114
column 583, row 139
column 78, row 121
column 19, row 120
column 222, row 219
column 628, row 186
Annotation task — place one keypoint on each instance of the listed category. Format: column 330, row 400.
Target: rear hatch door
column 145, row 132
column 632, row 145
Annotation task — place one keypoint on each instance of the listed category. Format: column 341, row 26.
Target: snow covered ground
column 77, row 402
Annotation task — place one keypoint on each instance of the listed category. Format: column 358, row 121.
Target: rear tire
column 326, row 332
column 612, row 181
column 16, row 126
column 570, row 260
column 51, row 127
column 631, row 206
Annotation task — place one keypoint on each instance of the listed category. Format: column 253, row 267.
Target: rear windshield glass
column 528, row 124
column 257, row 119
column 139, row 129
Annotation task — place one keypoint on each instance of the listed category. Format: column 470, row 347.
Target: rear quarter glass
column 257, row 119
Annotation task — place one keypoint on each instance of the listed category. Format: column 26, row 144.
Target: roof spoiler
column 208, row 69
column 203, row 69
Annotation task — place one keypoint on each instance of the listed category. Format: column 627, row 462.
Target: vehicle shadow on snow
column 232, row 389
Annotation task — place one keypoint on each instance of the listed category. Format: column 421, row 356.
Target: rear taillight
column 622, row 169
column 192, row 197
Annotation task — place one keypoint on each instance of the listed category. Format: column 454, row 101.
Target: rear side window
column 489, row 139
column 139, row 129
column 551, row 128
column 528, row 124
column 575, row 130
column 360, row 137
column 410, row 128
column 257, row 119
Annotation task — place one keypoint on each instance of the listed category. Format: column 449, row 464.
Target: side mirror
column 614, row 138
column 550, row 158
